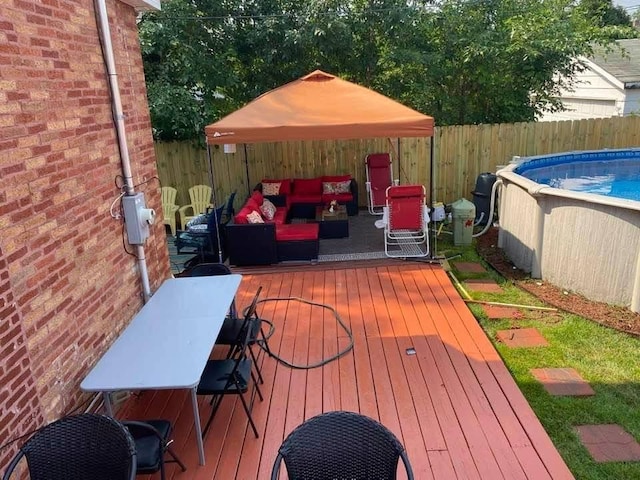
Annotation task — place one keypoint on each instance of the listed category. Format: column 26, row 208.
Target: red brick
column 497, row 312
column 562, row 382
column 609, row 443
column 39, row 265
column 483, row 285
column 522, row 337
column 469, row 267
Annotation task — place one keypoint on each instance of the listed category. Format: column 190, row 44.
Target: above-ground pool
column 590, row 172
column 573, row 219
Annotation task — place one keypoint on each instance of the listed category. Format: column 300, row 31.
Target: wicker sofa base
column 298, row 250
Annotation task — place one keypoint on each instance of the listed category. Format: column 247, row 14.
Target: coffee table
column 333, row 225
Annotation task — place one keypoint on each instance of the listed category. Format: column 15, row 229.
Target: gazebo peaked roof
column 319, row 106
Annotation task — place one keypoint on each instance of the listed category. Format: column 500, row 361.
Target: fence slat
column 461, row 153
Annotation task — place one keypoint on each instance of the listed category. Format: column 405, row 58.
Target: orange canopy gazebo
column 319, row 106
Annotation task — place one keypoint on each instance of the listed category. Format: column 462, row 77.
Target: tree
column 463, row 61
column 484, row 61
column 604, row 13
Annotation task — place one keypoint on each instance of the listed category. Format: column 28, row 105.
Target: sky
column 628, row 3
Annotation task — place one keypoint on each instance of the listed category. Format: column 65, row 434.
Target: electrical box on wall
column 137, row 218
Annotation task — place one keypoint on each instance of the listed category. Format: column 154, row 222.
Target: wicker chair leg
column 176, row 459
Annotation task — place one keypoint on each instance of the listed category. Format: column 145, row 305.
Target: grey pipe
column 116, row 104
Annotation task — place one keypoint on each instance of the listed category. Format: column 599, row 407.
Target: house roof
column 319, row 106
column 624, row 65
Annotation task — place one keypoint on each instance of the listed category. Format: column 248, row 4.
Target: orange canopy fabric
column 319, row 106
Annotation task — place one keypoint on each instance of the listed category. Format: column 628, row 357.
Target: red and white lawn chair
column 406, row 222
column 379, row 178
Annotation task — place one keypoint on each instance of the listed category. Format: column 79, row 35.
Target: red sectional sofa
column 303, row 195
column 278, row 240
column 271, row 240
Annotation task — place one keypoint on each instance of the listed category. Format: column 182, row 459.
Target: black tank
column 482, row 196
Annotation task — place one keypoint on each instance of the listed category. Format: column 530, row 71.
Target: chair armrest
column 183, row 210
column 135, row 427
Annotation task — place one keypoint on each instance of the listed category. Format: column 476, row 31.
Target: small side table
column 333, row 225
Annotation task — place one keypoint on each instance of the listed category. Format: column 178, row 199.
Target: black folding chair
column 152, row 440
column 213, row 270
column 230, row 332
column 230, row 376
column 341, row 445
column 79, row 447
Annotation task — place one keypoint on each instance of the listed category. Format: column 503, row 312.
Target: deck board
column 453, row 404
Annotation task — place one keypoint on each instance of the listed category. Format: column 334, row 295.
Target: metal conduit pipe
column 116, row 104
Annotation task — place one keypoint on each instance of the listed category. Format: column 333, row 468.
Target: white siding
column 595, row 95
column 632, row 103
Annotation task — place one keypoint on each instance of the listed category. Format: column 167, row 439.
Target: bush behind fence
column 461, row 153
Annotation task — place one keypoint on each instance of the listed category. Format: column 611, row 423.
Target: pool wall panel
column 589, row 245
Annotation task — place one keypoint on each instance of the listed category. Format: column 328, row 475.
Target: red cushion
column 298, row 231
column 280, row 216
column 252, row 204
column 307, row 186
column 297, row 198
column 339, row 197
column 241, row 217
column 336, row 178
column 285, row 185
column 257, row 196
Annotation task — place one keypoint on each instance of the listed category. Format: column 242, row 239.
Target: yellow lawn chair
column 169, row 208
column 200, row 196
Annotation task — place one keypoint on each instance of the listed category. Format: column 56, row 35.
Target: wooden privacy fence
column 461, row 153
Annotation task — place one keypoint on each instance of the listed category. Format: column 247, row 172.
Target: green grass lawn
column 608, row 360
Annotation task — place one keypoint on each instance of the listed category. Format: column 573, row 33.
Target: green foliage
column 614, row 21
column 464, row 61
column 603, row 13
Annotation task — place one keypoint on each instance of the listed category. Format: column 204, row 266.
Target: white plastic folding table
column 168, row 342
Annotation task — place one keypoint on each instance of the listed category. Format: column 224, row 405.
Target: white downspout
column 120, row 127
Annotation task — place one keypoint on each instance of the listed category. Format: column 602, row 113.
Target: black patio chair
column 230, row 376
column 79, row 447
column 341, row 445
column 203, row 240
column 152, row 442
column 213, row 270
column 228, row 209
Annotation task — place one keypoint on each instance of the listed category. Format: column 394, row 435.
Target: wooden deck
column 453, row 404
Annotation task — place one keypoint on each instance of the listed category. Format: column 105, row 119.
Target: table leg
column 107, row 403
column 196, row 419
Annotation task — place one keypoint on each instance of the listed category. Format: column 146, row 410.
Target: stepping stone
column 483, row 285
column 562, row 382
column 494, row 312
column 522, row 337
column 469, row 267
column 609, row 443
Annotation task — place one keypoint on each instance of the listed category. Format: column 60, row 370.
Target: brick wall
column 67, row 285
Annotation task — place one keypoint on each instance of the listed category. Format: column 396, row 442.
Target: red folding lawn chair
column 406, row 221
column 379, row 178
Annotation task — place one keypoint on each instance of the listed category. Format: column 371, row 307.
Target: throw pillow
column 268, row 209
column 271, row 188
column 197, row 220
column 333, row 188
column 343, row 187
column 254, row 217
